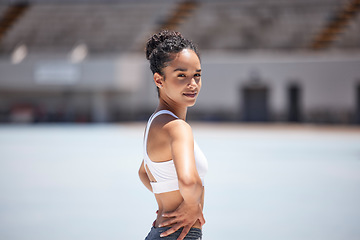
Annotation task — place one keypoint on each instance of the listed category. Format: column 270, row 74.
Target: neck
column 179, row 111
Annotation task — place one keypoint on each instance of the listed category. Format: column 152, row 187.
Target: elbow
column 191, row 189
column 190, row 182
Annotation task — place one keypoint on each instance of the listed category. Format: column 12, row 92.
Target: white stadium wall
column 114, row 86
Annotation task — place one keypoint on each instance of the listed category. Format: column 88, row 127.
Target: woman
column 174, row 167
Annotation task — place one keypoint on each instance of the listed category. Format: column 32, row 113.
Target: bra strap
column 162, row 112
column 150, row 121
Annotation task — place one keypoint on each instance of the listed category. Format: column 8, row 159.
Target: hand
column 184, row 216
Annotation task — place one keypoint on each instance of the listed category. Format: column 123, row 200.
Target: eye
column 181, row 75
column 197, row 75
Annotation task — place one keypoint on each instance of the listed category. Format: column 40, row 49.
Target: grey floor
column 67, row 182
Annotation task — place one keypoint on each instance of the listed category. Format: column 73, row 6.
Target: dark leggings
column 193, row 234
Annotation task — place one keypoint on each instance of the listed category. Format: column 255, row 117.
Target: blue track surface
column 265, row 182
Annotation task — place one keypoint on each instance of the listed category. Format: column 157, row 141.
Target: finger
column 168, row 222
column 184, row 232
column 170, row 214
column 171, row 230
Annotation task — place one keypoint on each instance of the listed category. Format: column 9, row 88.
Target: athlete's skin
column 171, row 138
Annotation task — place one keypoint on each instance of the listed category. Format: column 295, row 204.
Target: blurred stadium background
column 263, row 60
column 291, row 65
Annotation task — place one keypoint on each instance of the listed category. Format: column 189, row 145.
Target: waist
column 169, row 202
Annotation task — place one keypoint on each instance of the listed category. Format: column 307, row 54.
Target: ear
column 158, row 79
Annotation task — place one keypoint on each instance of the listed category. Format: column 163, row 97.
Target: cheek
column 199, row 84
column 181, row 83
column 175, row 87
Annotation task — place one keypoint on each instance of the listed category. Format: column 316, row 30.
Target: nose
column 193, row 82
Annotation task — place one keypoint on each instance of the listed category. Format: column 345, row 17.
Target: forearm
column 191, row 191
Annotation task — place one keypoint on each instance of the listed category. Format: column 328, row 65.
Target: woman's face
column 182, row 79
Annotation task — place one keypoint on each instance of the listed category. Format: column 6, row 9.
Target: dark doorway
column 294, row 103
column 357, row 111
column 255, row 103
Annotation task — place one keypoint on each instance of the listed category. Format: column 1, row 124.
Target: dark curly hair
column 162, row 47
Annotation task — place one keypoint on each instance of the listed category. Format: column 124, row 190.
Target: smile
column 190, row 95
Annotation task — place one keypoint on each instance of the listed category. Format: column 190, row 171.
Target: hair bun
column 161, row 47
column 159, row 38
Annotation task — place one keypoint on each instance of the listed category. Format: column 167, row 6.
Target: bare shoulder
column 173, row 127
column 178, row 128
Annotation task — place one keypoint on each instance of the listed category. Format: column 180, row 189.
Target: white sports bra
column 165, row 172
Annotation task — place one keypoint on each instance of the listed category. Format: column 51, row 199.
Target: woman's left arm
column 144, row 177
column 190, row 185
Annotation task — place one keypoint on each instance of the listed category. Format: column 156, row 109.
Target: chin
column 191, row 104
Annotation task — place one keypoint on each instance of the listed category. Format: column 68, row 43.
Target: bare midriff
column 169, row 202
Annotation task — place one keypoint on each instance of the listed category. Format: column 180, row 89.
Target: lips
column 190, row 94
